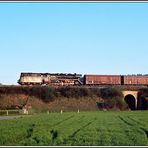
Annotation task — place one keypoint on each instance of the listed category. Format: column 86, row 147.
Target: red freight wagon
column 135, row 80
column 102, row 79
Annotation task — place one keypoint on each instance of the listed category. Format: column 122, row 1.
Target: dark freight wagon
column 102, row 79
column 136, row 80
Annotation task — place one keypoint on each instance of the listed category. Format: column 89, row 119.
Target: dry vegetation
column 43, row 98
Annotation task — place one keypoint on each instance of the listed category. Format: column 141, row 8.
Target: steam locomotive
column 67, row 79
column 54, row 79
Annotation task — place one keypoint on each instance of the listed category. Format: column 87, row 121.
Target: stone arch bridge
column 131, row 98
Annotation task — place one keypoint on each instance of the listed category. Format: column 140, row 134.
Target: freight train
column 62, row 79
column 116, row 80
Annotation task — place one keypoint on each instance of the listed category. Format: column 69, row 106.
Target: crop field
column 100, row 128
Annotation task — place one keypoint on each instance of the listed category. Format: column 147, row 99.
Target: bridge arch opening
column 142, row 103
column 131, row 101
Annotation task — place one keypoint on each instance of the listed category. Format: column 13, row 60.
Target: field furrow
column 77, row 129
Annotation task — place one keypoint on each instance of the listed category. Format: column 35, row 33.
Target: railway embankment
column 45, row 98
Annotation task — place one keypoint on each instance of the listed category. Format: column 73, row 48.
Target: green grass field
column 77, row 129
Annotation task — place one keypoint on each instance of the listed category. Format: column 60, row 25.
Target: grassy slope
column 71, row 128
column 67, row 98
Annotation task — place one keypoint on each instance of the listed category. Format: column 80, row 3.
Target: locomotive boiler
column 55, row 79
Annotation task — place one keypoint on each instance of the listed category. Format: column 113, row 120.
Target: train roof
column 115, row 75
column 51, row 74
column 99, row 75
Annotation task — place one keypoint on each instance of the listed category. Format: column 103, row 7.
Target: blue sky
column 86, row 38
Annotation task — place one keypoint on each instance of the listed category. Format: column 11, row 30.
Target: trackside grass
column 77, row 129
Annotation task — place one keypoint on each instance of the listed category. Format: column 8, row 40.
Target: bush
column 78, row 92
column 143, row 99
column 143, row 92
column 69, row 92
column 107, row 93
column 47, row 94
column 113, row 99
